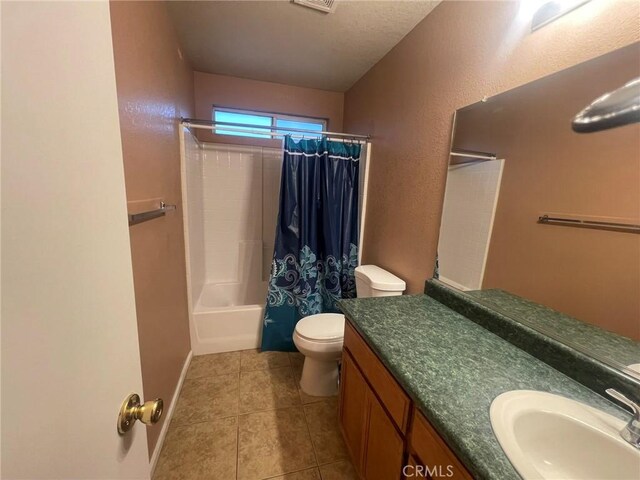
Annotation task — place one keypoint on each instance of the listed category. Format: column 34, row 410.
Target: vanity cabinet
column 426, row 447
column 376, row 447
column 387, row 438
column 354, row 392
column 384, row 446
column 414, row 469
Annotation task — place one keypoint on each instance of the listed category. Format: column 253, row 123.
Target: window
column 258, row 119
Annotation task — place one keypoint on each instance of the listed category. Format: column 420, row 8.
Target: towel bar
column 575, row 222
column 135, row 218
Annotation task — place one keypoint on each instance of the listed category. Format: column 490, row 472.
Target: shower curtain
column 316, row 246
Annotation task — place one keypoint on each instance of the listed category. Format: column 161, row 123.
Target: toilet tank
column 373, row 281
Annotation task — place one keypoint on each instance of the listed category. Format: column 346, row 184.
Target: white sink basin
column 547, row 436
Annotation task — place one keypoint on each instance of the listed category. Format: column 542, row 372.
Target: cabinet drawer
column 433, row 452
column 382, row 383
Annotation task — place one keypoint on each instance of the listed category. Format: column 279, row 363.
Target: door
column 69, row 336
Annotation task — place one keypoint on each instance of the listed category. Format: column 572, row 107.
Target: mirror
column 542, row 223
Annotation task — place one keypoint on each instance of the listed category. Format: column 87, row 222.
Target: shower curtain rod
column 273, row 130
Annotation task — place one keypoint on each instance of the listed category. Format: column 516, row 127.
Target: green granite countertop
column 453, row 369
column 599, row 342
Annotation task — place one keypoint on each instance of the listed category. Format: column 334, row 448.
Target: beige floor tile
column 304, row 398
column 307, row 399
column 322, row 418
column 214, row 364
column 338, row 471
column 297, row 371
column 256, row 360
column 267, row 389
column 200, row 451
column 296, row 359
column 312, row 474
column 273, row 443
column 206, row 398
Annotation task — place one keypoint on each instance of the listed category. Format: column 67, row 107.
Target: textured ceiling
column 278, row 41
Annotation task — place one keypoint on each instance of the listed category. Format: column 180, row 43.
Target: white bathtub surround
column 231, row 196
column 192, row 200
column 470, row 202
column 365, row 162
column 231, row 201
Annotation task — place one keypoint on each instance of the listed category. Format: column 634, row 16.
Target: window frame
column 275, row 116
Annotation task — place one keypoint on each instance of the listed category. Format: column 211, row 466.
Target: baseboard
column 169, row 414
column 227, row 344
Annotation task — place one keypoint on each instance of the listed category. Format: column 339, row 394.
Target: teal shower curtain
column 316, row 246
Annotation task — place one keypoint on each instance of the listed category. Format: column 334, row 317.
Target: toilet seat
column 321, row 328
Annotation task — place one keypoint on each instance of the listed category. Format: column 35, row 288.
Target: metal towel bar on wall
column 460, row 157
column 135, row 218
column 575, row 222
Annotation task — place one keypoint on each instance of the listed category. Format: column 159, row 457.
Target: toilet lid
column 322, row 327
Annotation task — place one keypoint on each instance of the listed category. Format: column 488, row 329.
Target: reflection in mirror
column 541, row 222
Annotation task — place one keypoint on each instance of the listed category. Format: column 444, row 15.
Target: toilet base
column 319, row 377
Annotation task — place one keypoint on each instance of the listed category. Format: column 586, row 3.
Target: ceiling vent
column 324, row 6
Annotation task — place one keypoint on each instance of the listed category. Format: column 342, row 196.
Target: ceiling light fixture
column 551, row 11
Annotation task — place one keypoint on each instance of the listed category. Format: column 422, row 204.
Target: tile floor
column 241, row 415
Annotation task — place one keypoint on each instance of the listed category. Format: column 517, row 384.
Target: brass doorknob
column 131, row 410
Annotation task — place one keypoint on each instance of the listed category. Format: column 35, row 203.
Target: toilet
column 320, row 337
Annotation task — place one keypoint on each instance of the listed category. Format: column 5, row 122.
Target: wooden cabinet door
column 384, row 449
column 393, row 398
column 414, row 469
column 435, row 455
column 353, row 411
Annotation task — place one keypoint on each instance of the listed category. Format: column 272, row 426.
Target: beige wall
column 234, row 92
column 155, row 88
column 459, row 53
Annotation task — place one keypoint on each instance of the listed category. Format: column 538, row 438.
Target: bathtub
column 228, row 317
column 230, row 196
